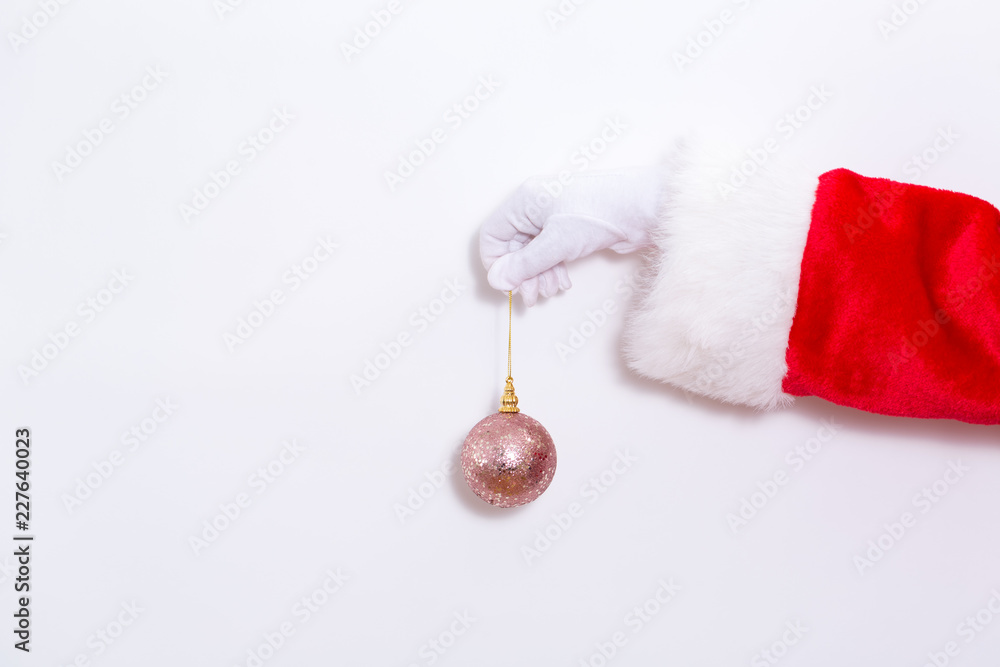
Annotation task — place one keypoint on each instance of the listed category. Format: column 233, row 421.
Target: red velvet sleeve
column 898, row 309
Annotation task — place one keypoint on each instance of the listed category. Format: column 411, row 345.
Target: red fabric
column 899, row 301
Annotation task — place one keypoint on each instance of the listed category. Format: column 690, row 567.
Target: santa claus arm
column 866, row 292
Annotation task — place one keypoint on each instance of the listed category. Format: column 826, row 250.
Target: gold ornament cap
column 509, row 401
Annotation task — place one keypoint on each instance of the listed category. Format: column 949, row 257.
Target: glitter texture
column 508, row 459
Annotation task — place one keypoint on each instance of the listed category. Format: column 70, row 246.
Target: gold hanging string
column 510, row 319
column 509, row 401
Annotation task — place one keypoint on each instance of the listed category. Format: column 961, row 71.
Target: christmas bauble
column 508, row 459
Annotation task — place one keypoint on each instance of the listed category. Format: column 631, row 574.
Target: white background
column 337, row 505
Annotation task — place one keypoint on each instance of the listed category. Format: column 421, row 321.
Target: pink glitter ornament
column 508, row 459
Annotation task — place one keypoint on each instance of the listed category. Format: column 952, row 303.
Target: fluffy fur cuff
column 716, row 309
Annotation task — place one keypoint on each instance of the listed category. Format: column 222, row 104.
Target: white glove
column 527, row 241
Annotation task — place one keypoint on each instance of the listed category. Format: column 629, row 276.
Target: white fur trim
column 715, row 314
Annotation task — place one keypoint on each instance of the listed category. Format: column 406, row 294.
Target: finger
column 558, row 279
column 548, row 283
column 508, row 222
column 564, row 238
column 542, row 253
column 511, row 217
column 529, row 292
column 562, row 275
column 493, row 247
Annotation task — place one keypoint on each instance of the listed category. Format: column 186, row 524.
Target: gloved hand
column 527, row 241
